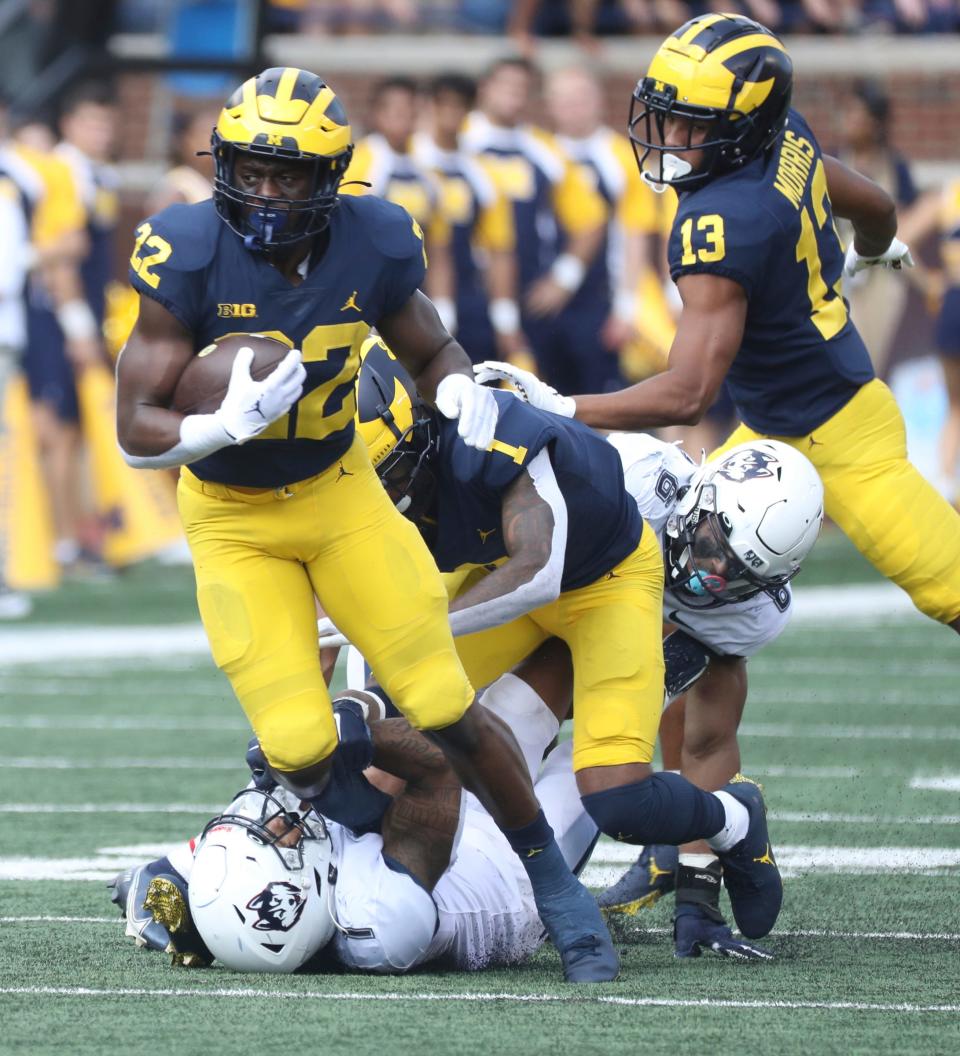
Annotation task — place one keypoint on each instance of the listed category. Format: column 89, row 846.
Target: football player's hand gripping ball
column 896, row 255
column 474, row 406
column 536, row 392
column 250, row 406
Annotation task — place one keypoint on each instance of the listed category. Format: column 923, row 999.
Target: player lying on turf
column 270, row 883
column 541, row 538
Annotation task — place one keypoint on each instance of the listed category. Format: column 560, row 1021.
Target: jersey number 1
column 829, row 316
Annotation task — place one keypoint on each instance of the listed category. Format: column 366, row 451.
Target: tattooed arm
column 420, row 825
column 534, row 518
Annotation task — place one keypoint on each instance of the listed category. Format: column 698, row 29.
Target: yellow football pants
column 260, row 556
column 895, row 518
column 613, row 629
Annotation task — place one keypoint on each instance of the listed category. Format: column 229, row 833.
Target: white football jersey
column 654, row 471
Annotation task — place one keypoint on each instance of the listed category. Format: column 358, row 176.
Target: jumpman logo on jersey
column 485, row 533
column 351, row 302
column 534, row 851
column 818, row 443
column 343, row 473
column 766, row 858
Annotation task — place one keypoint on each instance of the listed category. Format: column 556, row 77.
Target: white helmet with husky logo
column 745, row 523
column 259, row 904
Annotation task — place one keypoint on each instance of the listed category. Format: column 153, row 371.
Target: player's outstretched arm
column 421, row 824
column 151, row 435
column 440, row 369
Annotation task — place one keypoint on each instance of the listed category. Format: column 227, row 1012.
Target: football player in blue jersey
column 277, row 495
column 540, row 538
column 759, row 267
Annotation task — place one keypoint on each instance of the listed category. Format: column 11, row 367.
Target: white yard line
column 802, row 933
column 608, row 862
column 795, row 731
column 40, row 645
column 318, row 995
column 52, row 762
column 933, row 783
column 103, row 722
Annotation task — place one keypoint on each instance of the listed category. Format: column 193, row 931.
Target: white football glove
column 250, row 406
column 328, row 637
column 896, row 255
column 474, row 406
column 536, row 392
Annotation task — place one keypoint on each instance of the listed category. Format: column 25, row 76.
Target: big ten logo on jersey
column 237, row 311
column 513, row 177
column 456, row 200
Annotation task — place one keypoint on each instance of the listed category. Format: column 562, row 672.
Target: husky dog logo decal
column 745, row 465
column 278, row 906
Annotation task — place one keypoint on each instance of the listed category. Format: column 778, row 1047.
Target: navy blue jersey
column 769, row 227
column 604, row 525
column 188, row 260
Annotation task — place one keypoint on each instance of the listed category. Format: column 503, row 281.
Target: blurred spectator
column 575, row 104
column 383, row 160
column 481, row 226
column 191, row 178
column 14, row 266
column 88, row 125
column 877, row 296
column 342, row 16
column 62, row 337
column 560, row 222
column 939, row 211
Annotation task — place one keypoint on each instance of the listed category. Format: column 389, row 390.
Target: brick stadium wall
column 926, row 109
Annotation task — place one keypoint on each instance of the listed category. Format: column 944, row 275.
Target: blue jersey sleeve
column 719, row 230
column 398, row 242
column 170, row 252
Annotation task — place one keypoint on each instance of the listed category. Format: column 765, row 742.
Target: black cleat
column 750, row 873
column 695, row 931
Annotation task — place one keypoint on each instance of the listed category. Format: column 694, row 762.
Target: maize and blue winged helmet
column 725, row 71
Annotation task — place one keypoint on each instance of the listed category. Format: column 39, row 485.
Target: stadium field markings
column 941, row 783
column 775, row 730
column 606, row 865
column 580, row 999
column 37, row 644
column 800, row 933
column 52, row 762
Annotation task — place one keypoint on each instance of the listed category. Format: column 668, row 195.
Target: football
column 203, row 384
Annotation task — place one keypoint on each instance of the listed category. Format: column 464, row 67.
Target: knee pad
column 294, row 737
column 434, row 694
column 617, row 811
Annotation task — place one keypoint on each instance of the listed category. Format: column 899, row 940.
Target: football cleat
column 650, row 877
column 591, row 959
column 750, row 873
column 695, row 931
column 153, row 898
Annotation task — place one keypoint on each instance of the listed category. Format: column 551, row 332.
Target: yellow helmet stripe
column 742, row 44
column 318, row 107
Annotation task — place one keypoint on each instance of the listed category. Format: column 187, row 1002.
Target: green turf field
column 852, row 725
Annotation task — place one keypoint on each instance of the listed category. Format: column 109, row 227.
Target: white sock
column 697, row 861
column 735, row 825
